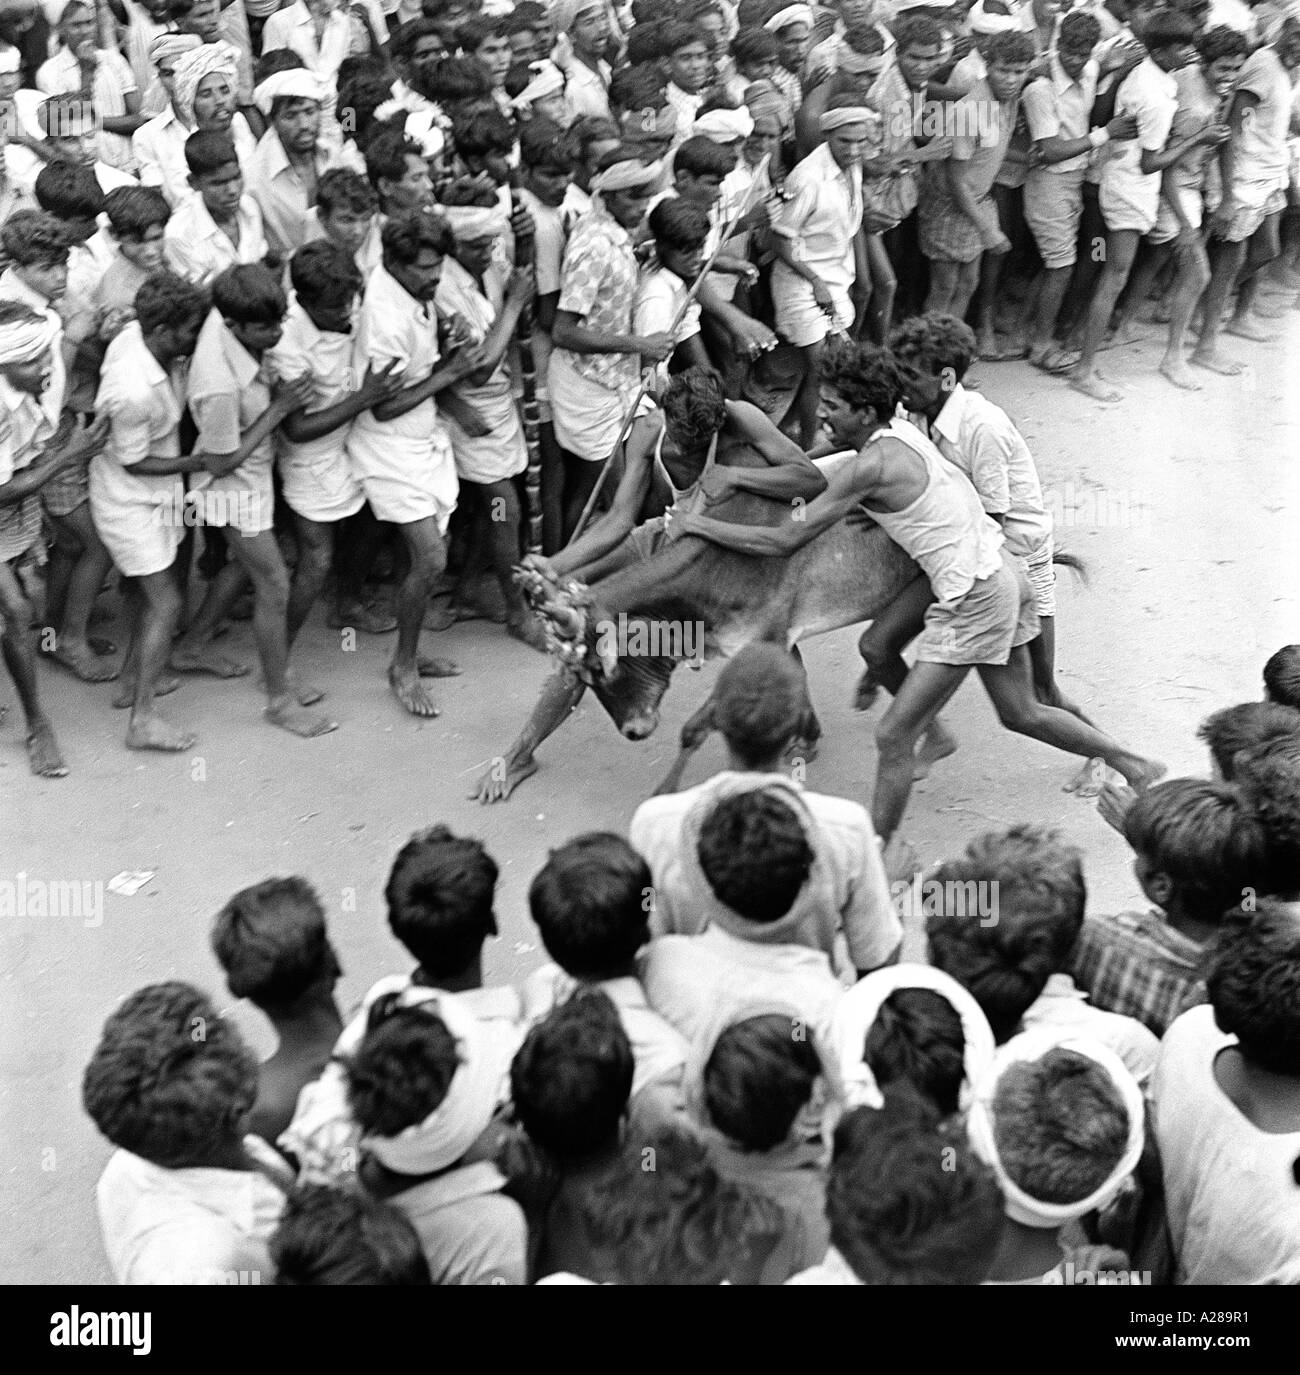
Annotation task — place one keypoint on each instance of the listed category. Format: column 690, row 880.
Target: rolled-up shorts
column 1053, row 209
column 20, row 527
column 1127, row 203
column 247, row 505
column 991, row 620
column 944, row 233
column 141, row 538
column 587, row 417
column 67, row 490
column 1248, row 219
column 1041, row 572
column 799, row 319
column 322, row 489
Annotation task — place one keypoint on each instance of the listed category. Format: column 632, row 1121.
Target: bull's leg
column 561, row 692
column 694, row 733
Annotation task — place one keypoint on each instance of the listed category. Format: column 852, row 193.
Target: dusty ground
column 1184, row 505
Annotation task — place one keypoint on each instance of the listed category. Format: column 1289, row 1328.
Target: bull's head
column 583, row 641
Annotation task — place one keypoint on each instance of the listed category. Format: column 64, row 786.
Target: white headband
column 295, row 84
column 791, row 15
column 1026, row 1048
column 858, row 1009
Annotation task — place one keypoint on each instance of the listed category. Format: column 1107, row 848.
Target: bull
column 847, row 575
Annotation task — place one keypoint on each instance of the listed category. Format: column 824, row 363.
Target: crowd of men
column 370, row 305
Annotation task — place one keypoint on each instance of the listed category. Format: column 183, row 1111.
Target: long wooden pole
column 525, row 256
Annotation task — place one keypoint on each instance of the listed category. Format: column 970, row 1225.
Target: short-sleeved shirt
column 114, row 81
column 275, row 185
column 24, row 431
column 294, row 28
column 13, row 288
column 116, row 289
column 598, row 281
column 982, row 440
column 1057, row 107
column 1063, row 1010
column 587, row 91
column 821, row 214
column 1151, row 95
column 227, row 391
column 159, row 148
column 1136, row 964
column 143, row 404
column 197, row 249
column 325, row 357
column 551, row 227
column 1198, row 106
column 1261, row 167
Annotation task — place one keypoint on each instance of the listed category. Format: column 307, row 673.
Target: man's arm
column 286, row 399
column 303, row 425
column 982, row 216
column 617, row 523
column 844, row 492
column 790, row 472
column 569, row 333
column 438, row 380
column 78, row 446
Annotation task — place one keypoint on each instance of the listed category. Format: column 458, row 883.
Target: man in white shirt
column 1130, row 179
column 70, row 127
column 220, row 225
column 586, row 24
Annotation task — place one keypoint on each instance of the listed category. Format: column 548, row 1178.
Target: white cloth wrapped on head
column 475, row 221
column 724, row 126
column 194, row 67
column 1026, row 1048
column 858, row 1009
column 626, row 174
column 547, row 80
column 295, row 84
column 791, row 15
column 25, row 337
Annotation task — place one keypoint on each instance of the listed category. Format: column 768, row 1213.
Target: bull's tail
column 1074, row 563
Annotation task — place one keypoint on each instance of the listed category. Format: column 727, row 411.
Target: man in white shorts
column 317, row 480
column 235, row 411
column 137, row 491
column 814, row 235
column 399, row 449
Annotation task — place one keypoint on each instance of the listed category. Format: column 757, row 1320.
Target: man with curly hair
column 186, row 1198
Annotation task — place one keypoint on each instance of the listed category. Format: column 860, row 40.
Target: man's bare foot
column 497, row 783
column 1216, row 362
column 936, row 744
column 1176, row 371
column 306, row 694
column 432, row 667
column 410, row 691
column 288, row 715
column 1054, row 359
column 207, row 661
column 1091, row 384
column 527, row 629
column 43, row 752
column 1141, row 773
column 1132, row 331
column 150, row 732
column 1088, row 781
column 370, row 620
column 83, row 661
column 1244, row 329
column 125, row 694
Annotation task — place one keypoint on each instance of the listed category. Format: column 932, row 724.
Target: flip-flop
column 1057, row 361
column 1005, row 355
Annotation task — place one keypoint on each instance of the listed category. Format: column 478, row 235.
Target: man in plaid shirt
column 1198, row 849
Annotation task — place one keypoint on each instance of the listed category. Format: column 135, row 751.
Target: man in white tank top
column 983, row 616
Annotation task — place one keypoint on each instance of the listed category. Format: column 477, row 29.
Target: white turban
column 295, row 84
column 858, row 1009
column 478, row 1087
column 548, row 79
column 724, row 126
column 171, row 45
column 564, row 13
column 1026, row 1048
column 983, row 21
column 791, row 15
column 475, row 221
column 847, row 114
column 193, row 67
column 625, row 174
column 25, row 339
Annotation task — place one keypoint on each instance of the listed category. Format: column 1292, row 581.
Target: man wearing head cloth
column 545, row 95
column 585, row 25
column 290, row 157
column 320, row 32
column 792, row 28
column 814, row 232
column 760, row 705
column 27, row 462
column 189, row 71
column 595, row 365
column 835, row 54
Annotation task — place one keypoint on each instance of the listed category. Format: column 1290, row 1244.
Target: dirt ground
column 1183, row 505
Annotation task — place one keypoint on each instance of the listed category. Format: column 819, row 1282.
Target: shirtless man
column 983, row 616
column 676, row 462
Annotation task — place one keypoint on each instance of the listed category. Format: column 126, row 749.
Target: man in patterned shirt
column 596, row 362
column 1197, row 847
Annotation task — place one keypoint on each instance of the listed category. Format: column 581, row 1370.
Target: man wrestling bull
column 700, row 450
